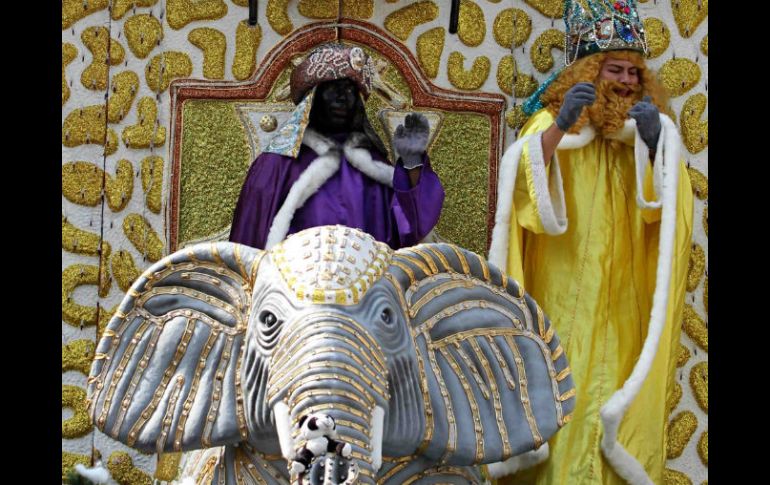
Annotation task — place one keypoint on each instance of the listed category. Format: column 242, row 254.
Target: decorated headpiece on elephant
column 429, row 359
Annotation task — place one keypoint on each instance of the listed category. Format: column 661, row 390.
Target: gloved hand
column 579, row 96
column 411, row 140
column 647, row 119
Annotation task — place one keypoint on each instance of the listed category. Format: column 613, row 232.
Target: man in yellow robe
column 594, row 216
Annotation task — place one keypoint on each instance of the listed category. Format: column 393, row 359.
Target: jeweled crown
column 601, row 25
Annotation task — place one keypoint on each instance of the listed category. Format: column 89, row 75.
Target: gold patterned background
column 119, row 57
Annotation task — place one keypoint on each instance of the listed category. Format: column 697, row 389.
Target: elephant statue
column 430, row 360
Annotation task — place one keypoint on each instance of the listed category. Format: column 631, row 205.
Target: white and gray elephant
column 430, row 360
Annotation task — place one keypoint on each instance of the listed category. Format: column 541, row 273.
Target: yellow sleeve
column 524, row 198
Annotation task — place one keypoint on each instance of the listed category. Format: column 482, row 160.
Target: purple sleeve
column 416, row 209
column 261, row 196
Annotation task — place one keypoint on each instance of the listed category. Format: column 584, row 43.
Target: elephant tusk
column 283, row 427
column 377, row 432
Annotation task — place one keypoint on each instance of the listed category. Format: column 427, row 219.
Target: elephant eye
column 386, row 316
column 268, row 318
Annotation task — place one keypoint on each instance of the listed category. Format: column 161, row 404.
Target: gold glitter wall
column 118, row 59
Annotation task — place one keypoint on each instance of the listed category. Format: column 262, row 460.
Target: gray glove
column 579, row 96
column 647, row 119
column 411, row 139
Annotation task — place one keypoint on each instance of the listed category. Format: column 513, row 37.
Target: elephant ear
column 498, row 382
column 166, row 374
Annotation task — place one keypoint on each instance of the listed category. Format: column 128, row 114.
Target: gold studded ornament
column 268, row 123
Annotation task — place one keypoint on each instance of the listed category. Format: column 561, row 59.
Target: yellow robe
column 596, row 283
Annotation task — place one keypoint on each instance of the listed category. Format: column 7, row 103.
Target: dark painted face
column 334, row 106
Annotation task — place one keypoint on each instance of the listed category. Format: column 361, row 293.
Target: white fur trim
column 318, row 172
column 553, row 212
column 319, row 143
column 97, row 474
column 361, row 158
column 518, row 462
column 615, row 408
column 548, row 190
column 665, row 145
column 579, row 140
column 627, row 133
column 506, row 183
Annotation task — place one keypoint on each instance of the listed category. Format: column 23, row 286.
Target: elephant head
column 427, row 352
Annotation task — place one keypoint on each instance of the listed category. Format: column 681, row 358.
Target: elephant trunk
column 329, row 364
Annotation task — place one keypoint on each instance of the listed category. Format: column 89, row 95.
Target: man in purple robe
column 326, row 165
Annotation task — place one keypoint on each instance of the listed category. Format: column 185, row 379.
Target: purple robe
column 400, row 216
